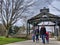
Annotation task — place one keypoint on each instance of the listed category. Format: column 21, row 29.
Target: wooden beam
column 46, row 25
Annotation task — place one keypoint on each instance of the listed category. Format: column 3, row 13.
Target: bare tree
column 11, row 11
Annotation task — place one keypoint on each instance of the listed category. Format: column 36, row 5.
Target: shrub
column 58, row 38
column 52, row 34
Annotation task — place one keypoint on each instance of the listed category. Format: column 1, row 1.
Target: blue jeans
column 47, row 40
column 43, row 38
column 37, row 37
column 33, row 38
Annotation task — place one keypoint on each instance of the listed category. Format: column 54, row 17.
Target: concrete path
column 29, row 42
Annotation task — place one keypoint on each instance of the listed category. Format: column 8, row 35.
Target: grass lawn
column 4, row 40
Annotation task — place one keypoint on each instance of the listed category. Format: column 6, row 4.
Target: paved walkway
column 29, row 42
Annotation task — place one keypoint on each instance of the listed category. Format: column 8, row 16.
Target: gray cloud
column 39, row 4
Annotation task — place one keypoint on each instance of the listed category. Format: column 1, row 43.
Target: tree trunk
column 7, row 33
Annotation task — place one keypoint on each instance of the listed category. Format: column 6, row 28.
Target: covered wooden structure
column 44, row 15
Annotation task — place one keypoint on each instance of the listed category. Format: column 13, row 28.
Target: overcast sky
column 39, row 4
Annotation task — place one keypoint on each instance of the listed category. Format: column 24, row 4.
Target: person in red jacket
column 47, row 37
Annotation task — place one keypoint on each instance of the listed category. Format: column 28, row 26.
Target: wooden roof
column 44, row 16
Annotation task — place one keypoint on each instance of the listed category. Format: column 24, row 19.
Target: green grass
column 4, row 40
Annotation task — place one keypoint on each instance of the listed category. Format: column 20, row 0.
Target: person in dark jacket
column 37, row 35
column 43, row 33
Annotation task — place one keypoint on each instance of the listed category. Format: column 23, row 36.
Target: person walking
column 37, row 35
column 43, row 33
column 47, row 37
column 33, row 34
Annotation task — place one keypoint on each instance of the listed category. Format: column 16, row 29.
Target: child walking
column 47, row 37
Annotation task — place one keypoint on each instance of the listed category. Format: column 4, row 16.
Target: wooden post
column 54, row 30
column 38, row 26
column 29, row 28
column 59, row 30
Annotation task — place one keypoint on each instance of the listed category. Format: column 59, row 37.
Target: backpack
column 37, row 32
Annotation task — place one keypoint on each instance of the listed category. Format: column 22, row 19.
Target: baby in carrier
column 47, row 37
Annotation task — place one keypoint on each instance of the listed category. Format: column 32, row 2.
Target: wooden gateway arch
column 44, row 15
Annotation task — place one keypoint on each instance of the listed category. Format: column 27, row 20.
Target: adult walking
column 37, row 35
column 43, row 33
